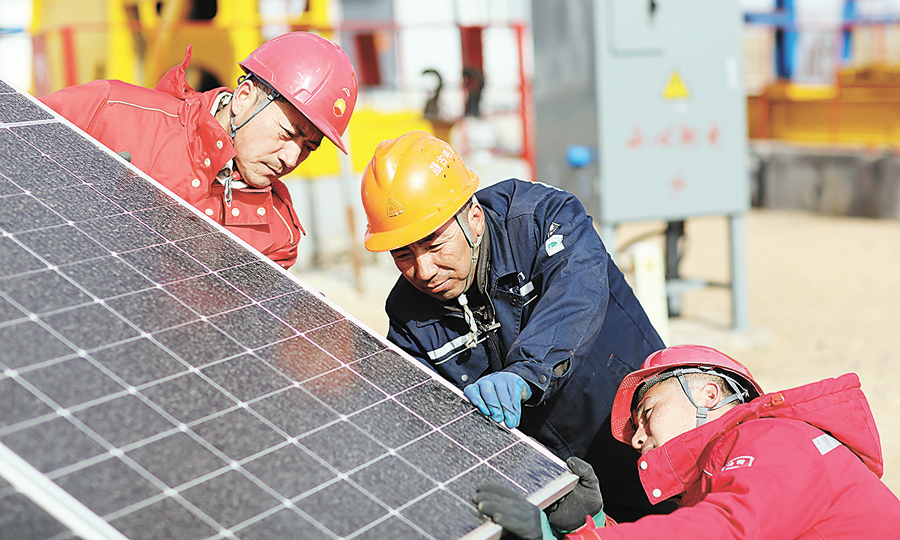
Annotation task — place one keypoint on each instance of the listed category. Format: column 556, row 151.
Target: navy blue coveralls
column 569, row 325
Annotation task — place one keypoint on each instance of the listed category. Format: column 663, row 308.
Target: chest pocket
column 514, row 300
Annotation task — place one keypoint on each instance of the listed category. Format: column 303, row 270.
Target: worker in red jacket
column 798, row 464
column 224, row 151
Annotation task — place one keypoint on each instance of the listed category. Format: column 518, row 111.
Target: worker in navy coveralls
column 511, row 295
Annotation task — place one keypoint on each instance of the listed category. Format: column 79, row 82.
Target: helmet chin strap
column 271, row 96
column 475, row 247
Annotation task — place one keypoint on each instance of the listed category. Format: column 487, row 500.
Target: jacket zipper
column 492, row 335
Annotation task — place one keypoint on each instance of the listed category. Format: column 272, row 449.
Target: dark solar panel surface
column 177, row 385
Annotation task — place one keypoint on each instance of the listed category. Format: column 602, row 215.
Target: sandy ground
column 824, row 299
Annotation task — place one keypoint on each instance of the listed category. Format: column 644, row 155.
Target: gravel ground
column 824, row 295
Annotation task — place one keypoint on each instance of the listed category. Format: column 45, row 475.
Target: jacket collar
column 675, row 466
column 210, row 132
column 483, row 268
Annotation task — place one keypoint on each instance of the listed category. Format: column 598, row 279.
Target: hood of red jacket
column 837, row 406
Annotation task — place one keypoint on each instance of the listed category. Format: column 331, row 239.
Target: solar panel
column 159, row 379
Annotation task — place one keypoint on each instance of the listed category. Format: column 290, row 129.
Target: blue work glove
column 499, row 395
column 511, row 510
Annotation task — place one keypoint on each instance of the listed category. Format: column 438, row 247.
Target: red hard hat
column 313, row 74
column 666, row 359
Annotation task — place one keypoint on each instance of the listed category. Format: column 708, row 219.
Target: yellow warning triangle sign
column 675, row 88
column 394, row 208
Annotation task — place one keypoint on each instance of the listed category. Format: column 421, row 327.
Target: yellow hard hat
column 412, row 185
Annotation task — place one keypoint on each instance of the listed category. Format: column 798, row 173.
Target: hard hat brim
column 620, row 418
column 318, row 121
column 410, row 234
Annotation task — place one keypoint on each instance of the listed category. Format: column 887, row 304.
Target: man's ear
column 710, row 395
column 244, row 96
column 476, row 219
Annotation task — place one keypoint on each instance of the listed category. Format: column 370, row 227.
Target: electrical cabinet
column 640, row 109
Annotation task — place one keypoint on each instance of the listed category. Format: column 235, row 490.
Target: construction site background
column 823, row 239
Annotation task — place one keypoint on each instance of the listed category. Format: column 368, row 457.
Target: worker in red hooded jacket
column 798, row 464
column 224, row 151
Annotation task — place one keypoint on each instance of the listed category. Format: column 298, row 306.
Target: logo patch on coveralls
column 738, row 462
column 554, row 244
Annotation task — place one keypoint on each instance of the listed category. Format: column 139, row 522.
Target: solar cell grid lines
column 159, row 379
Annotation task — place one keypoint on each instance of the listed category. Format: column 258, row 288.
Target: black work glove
column 569, row 513
column 510, row 509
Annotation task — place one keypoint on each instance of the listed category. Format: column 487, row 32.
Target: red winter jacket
column 799, row 464
column 172, row 136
